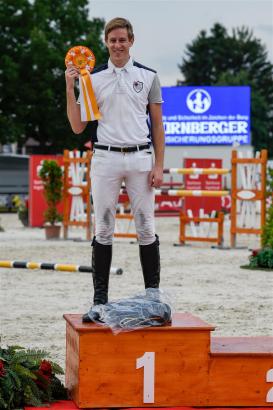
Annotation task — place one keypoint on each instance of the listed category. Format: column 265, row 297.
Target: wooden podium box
column 169, row 366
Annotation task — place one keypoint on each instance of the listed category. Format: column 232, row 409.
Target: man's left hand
column 156, row 177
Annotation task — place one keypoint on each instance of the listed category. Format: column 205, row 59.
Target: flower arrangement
column 261, row 258
column 27, row 378
column 21, row 206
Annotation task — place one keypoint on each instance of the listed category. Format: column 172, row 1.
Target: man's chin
column 118, row 60
column 118, row 57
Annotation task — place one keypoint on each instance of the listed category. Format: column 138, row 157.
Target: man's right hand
column 71, row 73
column 73, row 109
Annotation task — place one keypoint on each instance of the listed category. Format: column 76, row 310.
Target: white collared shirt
column 122, row 95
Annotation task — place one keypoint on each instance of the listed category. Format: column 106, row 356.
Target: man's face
column 118, row 45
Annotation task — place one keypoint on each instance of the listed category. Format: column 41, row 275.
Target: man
column 126, row 92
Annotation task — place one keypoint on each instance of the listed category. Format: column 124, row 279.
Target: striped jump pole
column 52, row 266
column 197, row 171
column 184, row 192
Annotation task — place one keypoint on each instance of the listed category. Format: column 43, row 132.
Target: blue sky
column 163, row 27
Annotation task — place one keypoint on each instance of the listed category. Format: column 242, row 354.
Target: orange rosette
column 84, row 60
column 81, row 57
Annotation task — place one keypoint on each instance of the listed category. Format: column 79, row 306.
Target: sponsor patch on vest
column 138, row 86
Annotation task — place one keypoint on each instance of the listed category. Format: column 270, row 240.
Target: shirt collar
column 126, row 67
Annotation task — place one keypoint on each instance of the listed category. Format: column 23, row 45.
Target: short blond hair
column 119, row 22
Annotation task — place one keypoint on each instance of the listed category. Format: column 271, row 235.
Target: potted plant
column 52, row 177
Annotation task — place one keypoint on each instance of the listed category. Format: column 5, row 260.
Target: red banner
column 211, row 182
column 37, row 203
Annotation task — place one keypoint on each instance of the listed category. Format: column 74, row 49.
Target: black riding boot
column 101, row 264
column 150, row 263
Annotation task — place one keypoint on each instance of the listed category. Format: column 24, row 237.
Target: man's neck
column 121, row 64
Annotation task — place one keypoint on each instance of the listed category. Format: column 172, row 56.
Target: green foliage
column 35, row 37
column 267, row 235
column 262, row 258
column 26, row 378
column 217, row 58
column 52, row 177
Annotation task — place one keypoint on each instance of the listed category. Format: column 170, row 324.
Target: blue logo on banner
column 198, row 101
column 206, row 115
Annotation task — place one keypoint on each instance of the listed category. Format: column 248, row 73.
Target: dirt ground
column 204, row 281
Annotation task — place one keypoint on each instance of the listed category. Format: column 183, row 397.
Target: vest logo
column 138, row 86
column 198, row 101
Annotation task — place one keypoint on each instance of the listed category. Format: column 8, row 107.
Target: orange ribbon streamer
column 89, row 99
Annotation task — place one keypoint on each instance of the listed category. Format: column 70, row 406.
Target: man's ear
column 132, row 40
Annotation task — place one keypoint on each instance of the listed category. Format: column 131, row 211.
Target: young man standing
column 126, row 93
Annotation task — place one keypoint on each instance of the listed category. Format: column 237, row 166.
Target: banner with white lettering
column 206, row 115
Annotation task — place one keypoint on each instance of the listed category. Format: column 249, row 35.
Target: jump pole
column 184, row 192
column 53, row 266
column 197, row 171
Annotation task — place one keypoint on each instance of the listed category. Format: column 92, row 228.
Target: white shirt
column 122, row 95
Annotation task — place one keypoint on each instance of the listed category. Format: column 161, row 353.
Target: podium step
column 170, row 366
column 240, row 346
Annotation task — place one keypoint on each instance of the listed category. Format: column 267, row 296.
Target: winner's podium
column 169, row 366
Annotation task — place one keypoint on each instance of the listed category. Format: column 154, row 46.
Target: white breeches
column 108, row 170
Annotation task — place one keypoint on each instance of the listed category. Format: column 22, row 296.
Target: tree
column 32, row 85
column 15, row 21
column 218, row 58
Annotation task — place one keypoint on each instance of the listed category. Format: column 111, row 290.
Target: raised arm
column 73, row 109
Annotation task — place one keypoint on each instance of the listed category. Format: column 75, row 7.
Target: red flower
column 2, row 369
column 43, row 375
column 255, row 252
column 45, row 368
column 42, row 380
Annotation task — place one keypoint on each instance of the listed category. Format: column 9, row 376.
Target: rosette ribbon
column 89, row 106
column 84, row 60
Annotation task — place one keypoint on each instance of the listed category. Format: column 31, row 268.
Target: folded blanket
column 151, row 308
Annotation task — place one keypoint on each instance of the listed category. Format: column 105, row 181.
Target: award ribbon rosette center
column 84, row 60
